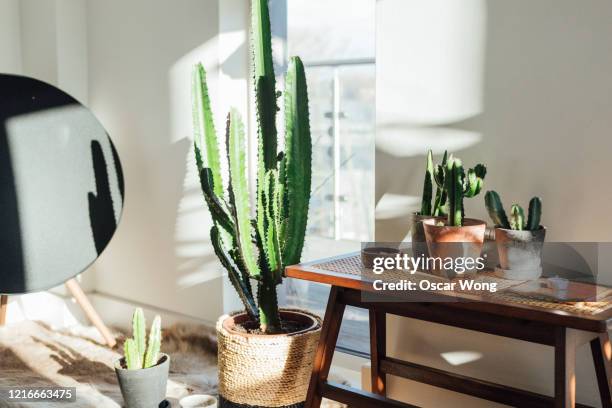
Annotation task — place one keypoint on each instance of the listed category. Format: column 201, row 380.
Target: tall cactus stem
column 535, row 214
column 139, row 332
column 152, row 355
column 496, row 210
column 517, row 217
column 131, row 356
column 453, row 179
column 296, row 163
column 427, row 186
column 269, row 318
column 438, row 175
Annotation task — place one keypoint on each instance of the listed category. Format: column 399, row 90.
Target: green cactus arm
column 271, row 242
column 130, row 353
column 216, row 206
column 474, row 180
column 241, row 286
column 517, row 217
column 535, row 214
column 428, row 185
column 438, row 175
column 239, row 191
column 454, row 179
column 265, row 83
column 205, row 136
column 297, row 162
column 261, row 39
column 152, row 355
column 139, row 332
column 496, row 210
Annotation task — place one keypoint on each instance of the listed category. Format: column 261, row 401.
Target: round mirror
column 61, row 186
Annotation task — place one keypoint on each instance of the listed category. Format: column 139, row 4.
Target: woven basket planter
column 266, row 371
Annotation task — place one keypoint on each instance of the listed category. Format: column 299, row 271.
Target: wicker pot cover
column 269, row 371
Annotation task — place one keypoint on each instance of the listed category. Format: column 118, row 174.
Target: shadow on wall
column 101, row 212
column 161, row 247
column 545, row 109
column 11, row 251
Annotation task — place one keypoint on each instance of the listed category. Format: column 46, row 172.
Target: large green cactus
column 257, row 249
column 516, row 221
column 459, row 185
column 138, row 352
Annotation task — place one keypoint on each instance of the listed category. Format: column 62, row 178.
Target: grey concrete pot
column 520, row 253
column 417, row 234
column 145, row 388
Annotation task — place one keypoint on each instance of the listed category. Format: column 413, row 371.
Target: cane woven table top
column 347, row 271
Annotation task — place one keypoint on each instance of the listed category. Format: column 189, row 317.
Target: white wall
column 10, row 37
column 140, row 58
column 532, row 101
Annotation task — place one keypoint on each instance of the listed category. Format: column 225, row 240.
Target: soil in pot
column 287, row 327
column 445, row 241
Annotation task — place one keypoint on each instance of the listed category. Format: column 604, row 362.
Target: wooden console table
column 565, row 330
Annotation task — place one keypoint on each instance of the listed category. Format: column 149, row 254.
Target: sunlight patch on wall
column 405, row 141
column 457, row 358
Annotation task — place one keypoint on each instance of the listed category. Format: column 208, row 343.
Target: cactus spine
column 458, row 185
column 257, row 249
column 433, row 174
column 137, row 352
column 516, row 221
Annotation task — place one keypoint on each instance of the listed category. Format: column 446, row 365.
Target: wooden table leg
column 378, row 350
column 602, row 358
column 75, row 289
column 3, row 307
column 325, row 350
column 565, row 368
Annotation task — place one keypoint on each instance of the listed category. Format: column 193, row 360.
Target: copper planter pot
column 444, row 241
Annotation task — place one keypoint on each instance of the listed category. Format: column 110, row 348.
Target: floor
column 33, row 353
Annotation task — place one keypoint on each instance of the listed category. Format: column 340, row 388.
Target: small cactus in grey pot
column 143, row 371
column 519, row 239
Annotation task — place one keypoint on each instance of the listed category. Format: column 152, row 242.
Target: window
column 336, row 41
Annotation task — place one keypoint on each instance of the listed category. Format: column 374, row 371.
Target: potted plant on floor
column 428, row 209
column 456, row 236
column 143, row 371
column 265, row 354
column 519, row 239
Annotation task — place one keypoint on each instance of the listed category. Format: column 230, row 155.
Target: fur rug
column 33, row 354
